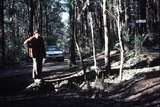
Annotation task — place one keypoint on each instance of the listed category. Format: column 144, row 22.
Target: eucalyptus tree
column 71, row 32
column 2, row 39
column 119, row 29
column 153, row 15
column 106, row 36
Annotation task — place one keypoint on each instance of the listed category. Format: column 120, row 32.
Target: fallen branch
column 130, row 73
column 147, row 69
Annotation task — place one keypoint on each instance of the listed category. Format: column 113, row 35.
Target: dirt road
column 137, row 92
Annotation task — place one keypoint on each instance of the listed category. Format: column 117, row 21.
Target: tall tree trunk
column 93, row 43
column 13, row 23
column 87, row 28
column 76, row 32
column 72, row 23
column 40, row 17
column 152, row 15
column 2, row 39
column 158, row 15
column 46, row 17
column 30, row 12
column 106, row 37
column 148, row 16
column 98, row 22
column 37, row 18
column 119, row 27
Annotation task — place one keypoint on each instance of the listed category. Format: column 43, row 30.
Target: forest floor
column 140, row 86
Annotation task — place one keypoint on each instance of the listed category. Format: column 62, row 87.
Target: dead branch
column 147, row 69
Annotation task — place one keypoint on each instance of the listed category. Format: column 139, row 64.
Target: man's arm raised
column 28, row 40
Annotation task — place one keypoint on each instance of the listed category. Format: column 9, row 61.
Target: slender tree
column 72, row 43
column 119, row 28
column 93, row 42
column 106, row 36
column 30, row 12
column 46, row 16
column 77, row 33
column 2, row 38
column 37, row 15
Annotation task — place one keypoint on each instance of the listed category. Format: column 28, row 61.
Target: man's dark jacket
column 37, row 48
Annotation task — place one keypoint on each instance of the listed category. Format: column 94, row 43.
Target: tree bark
column 119, row 26
column 76, row 32
column 46, row 17
column 37, row 15
column 30, row 12
column 93, row 43
column 2, row 38
column 106, row 36
column 72, row 45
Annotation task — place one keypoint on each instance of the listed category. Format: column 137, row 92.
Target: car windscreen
column 52, row 49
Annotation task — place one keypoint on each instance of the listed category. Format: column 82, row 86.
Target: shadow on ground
column 143, row 90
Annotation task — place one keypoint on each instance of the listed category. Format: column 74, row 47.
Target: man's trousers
column 37, row 68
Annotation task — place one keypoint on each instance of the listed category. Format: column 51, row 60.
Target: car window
column 52, row 49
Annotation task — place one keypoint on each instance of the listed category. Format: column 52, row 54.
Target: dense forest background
column 94, row 27
column 18, row 20
column 111, row 51
column 132, row 20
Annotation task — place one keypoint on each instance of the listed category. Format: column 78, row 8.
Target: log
column 130, row 73
column 147, row 69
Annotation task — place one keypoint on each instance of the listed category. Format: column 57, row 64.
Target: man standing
column 37, row 53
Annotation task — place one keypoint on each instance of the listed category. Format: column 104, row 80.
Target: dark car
column 54, row 53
